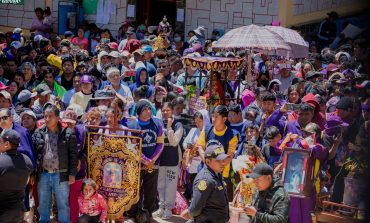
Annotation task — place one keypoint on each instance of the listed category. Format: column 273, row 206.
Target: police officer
column 15, row 169
column 209, row 203
column 271, row 202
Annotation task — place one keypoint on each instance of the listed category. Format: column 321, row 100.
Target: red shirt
column 94, row 206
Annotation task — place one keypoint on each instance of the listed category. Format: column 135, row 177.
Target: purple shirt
column 284, row 126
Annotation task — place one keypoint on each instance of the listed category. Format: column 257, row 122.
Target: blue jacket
column 138, row 83
column 26, row 146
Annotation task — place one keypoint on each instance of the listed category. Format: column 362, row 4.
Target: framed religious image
column 298, row 175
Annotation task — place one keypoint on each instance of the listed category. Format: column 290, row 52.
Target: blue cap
column 148, row 49
column 11, row 136
column 68, row 33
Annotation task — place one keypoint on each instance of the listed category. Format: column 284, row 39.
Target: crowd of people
column 53, row 88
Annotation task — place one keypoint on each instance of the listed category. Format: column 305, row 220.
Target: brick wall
column 229, row 14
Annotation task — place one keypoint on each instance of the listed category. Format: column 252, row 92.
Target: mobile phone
column 292, row 106
column 105, row 40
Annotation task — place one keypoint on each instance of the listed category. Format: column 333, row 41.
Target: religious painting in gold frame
column 114, row 164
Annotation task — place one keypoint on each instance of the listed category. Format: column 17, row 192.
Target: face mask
column 177, row 39
column 209, row 50
column 146, row 37
column 217, row 37
column 265, row 82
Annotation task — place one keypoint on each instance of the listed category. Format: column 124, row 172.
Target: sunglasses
column 4, row 118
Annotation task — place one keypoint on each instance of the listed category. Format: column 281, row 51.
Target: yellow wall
column 287, row 18
column 6, row 29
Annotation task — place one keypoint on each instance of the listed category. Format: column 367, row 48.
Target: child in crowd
column 93, row 207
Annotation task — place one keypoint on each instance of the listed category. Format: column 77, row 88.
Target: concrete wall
column 298, row 12
column 229, row 14
column 19, row 15
column 12, row 16
column 301, row 7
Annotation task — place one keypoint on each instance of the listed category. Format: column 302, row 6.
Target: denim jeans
column 50, row 183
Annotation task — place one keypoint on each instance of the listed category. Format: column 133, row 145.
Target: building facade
column 186, row 15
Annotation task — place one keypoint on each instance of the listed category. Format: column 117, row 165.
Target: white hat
column 28, row 112
column 16, row 44
column 114, row 54
column 76, row 108
column 17, row 30
column 201, row 31
column 139, row 64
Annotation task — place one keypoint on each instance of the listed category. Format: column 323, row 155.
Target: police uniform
column 209, row 203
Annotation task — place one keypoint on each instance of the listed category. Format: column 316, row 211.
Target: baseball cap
column 130, row 31
column 11, row 136
column 86, row 79
column 16, row 44
column 68, row 34
column 261, row 169
column 147, row 49
column 28, row 112
column 76, row 108
column 345, row 103
column 152, row 38
column 70, row 116
column 334, row 121
column 125, row 53
column 312, row 74
column 37, row 38
column 103, row 94
column 113, row 45
column 25, row 95
column 17, row 30
column 6, row 95
column 139, row 51
column 215, row 151
column 43, row 89
column 336, row 76
column 44, row 42
column 65, row 42
column 3, row 86
column 115, row 54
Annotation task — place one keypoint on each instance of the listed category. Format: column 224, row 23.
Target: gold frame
column 114, row 148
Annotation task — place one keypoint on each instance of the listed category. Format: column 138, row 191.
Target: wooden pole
column 115, row 118
column 249, row 68
column 210, row 90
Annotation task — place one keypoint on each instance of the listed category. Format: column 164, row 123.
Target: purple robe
column 300, row 208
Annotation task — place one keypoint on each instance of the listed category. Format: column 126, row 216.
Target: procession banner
column 197, row 103
column 114, row 164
